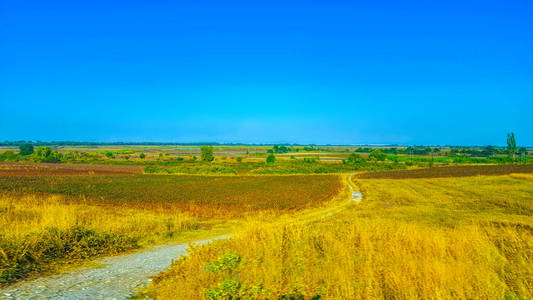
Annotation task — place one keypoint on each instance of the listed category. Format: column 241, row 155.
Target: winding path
column 118, row 278
column 356, row 195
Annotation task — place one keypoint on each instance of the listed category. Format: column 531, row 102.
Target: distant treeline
column 75, row 143
column 284, row 148
column 484, row 151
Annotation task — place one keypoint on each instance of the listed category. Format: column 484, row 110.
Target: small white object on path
column 356, row 196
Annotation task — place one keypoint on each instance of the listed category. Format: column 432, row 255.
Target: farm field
column 206, row 196
column 44, row 169
column 409, row 238
column 451, row 171
column 49, row 221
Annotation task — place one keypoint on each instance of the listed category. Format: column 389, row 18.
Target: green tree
column 377, row 155
column 109, row 154
column 511, row 145
column 26, row 149
column 45, row 154
column 207, row 153
column 355, row 159
column 271, row 159
column 142, row 156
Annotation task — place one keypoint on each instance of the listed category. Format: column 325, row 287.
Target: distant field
column 453, row 171
column 30, row 169
column 200, row 195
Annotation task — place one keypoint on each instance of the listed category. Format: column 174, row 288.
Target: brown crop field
column 208, row 196
column 44, row 169
column 454, row 171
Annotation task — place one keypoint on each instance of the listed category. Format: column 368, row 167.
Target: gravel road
column 118, row 278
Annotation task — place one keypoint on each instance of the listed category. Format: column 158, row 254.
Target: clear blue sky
column 410, row 72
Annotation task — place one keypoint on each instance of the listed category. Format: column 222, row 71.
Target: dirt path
column 118, row 278
column 356, row 195
column 349, row 196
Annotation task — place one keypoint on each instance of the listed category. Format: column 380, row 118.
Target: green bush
column 207, row 153
column 8, row 156
column 47, row 155
column 355, row 159
column 271, row 159
column 377, row 155
column 26, row 149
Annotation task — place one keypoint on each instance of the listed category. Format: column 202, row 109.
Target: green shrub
column 26, row 149
column 207, row 153
column 47, row 155
column 310, row 160
column 377, row 155
column 8, row 156
column 271, row 159
column 227, row 261
column 355, row 159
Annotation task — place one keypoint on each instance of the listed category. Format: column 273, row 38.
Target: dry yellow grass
column 448, row 238
column 22, row 215
column 38, row 231
column 524, row 176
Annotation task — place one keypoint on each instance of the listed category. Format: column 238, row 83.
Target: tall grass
column 39, row 231
column 447, row 238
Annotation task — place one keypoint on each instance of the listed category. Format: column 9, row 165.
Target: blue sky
column 408, row 72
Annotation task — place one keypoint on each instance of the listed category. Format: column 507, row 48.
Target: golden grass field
column 39, row 231
column 423, row 238
column 49, row 221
